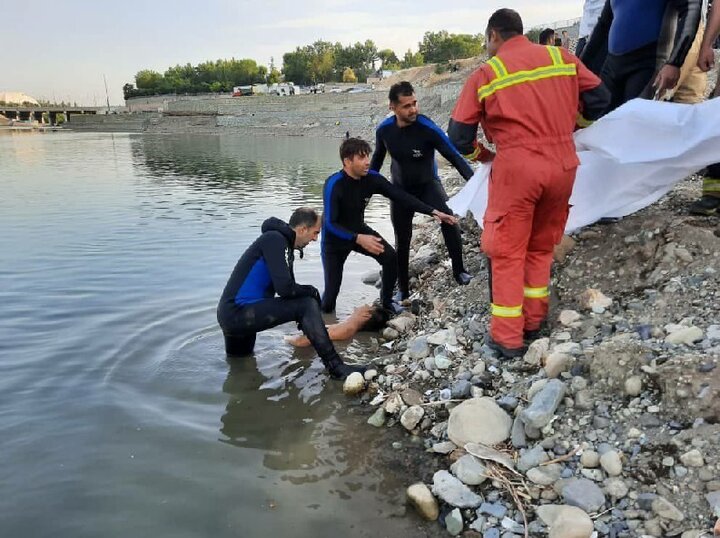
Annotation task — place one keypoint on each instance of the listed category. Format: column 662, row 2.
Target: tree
column 412, row 60
column 349, row 75
column 148, row 80
column 274, row 76
column 388, row 57
column 442, row 46
column 533, row 34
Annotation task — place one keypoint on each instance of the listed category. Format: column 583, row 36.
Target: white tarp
column 629, row 159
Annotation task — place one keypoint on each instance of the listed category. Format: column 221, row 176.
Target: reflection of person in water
column 364, row 318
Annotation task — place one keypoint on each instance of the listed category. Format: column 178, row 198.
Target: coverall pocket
column 491, row 241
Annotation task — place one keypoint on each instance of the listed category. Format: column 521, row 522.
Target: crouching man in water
column 249, row 304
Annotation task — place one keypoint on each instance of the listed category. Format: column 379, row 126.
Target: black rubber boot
column 339, row 370
column 505, row 352
column 394, row 308
column 463, row 278
column 706, row 206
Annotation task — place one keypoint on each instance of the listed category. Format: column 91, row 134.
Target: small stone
column 371, row 277
column 536, row 351
column 590, row 459
column 422, row 499
column 645, row 501
column 370, row 374
column 393, row 404
column 616, row 488
column 440, row 338
column 517, row 434
column 556, row 363
column 418, row 348
column 460, row 389
column 442, row 362
column 412, row 416
column 532, row 458
column 444, row 448
column 411, row 397
column 492, row 532
column 544, row 404
column 496, row 510
column 692, row 458
column 611, row 463
column 354, row 384
column 668, row 461
column 685, row 335
column 633, row 386
column 666, row 510
column 565, row 521
column 390, row 334
column 680, row 471
column 713, row 500
column 402, row 323
column 469, row 470
column 568, row 317
column 454, row 522
column 583, row 494
column 377, row 419
column 453, row 491
column 592, row 298
column 545, row 475
column 478, row 420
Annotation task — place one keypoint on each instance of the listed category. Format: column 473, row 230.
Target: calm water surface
column 119, row 415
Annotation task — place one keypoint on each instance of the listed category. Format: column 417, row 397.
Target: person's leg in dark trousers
column 434, row 195
column 333, row 259
column 388, row 260
column 402, row 223
column 612, row 78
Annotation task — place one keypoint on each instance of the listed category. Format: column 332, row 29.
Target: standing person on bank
column 345, row 196
column 527, row 98
column 411, row 139
column 249, row 304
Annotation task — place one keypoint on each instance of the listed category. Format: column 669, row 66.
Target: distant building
column 17, row 98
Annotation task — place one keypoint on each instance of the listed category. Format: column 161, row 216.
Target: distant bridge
column 26, row 113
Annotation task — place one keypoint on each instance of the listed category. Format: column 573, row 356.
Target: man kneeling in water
column 364, row 318
column 248, row 304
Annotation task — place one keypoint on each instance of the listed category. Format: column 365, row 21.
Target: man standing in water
column 411, row 139
column 249, row 304
column 345, row 196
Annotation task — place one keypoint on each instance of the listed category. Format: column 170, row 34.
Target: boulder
column 423, row 500
column 478, row 420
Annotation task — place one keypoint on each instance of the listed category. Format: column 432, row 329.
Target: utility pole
column 107, row 97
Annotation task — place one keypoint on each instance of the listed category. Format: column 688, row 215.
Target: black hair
column 403, row 88
column 543, row 37
column 303, row 216
column 506, row 22
column 354, row 146
column 378, row 318
column 558, row 42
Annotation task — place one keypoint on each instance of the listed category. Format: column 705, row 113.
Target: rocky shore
column 609, row 424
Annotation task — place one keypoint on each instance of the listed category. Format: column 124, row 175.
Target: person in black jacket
column 249, row 304
column 411, row 139
column 345, row 196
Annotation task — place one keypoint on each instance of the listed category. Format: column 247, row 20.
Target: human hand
column 666, row 80
column 444, row 217
column 706, row 58
column 372, row 243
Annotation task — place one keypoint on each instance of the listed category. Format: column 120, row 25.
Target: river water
column 119, row 414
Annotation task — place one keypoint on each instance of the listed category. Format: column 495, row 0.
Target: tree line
column 321, row 61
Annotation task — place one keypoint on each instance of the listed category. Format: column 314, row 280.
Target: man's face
column 406, row 109
column 493, row 42
column 304, row 235
column 357, row 165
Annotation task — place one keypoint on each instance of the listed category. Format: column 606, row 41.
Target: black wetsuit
column 344, row 200
column 414, row 169
column 632, row 30
column 248, row 304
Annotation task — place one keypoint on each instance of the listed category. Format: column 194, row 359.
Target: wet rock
column 666, row 510
column 611, row 463
column 685, row 335
column 565, row 521
column 418, row 348
column 692, row 458
column 478, row 420
column 454, row 522
column 633, row 386
column 377, row 419
column 453, row 491
column 469, row 470
column 423, row 500
column 354, row 384
column 412, row 416
column 532, row 458
column 583, row 494
column 544, row 404
column 590, row 459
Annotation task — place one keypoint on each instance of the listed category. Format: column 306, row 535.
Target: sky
column 59, row 50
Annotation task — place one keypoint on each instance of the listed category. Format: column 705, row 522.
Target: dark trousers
column 433, row 195
column 334, row 254
column 580, row 45
column 627, row 75
column 240, row 324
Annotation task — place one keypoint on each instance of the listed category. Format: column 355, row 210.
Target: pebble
column 590, row 459
column 556, row 363
column 418, row 348
column 377, row 419
column 616, row 488
column 633, row 386
column 354, row 384
column 492, row 509
column 692, row 458
column 544, row 404
column 460, row 389
column 412, row 416
column 532, row 458
column 536, row 351
column 469, row 470
column 569, row 317
column 423, row 500
column 545, row 475
column 492, row 532
column 584, row 494
column 479, row 420
column 565, row 521
column 454, row 522
column 444, row 448
column 453, row 491
column 666, row 510
column 611, row 463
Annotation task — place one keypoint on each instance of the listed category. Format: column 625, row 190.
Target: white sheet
column 629, row 159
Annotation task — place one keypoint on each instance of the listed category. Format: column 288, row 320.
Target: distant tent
column 17, row 98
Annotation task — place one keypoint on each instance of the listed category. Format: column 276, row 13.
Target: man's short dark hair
column 354, row 146
column 506, row 22
column 544, row 35
column 303, row 216
column 378, row 319
column 403, row 88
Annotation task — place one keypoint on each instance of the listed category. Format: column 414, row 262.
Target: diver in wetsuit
column 345, row 196
column 249, row 304
column 411, row 139
column 632, row 30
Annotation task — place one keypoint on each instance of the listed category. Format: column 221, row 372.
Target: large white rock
column 354, row 384
column 479, row 420
column 611, row 463
column 412, row 416
column 686, row 335
column 565, row 521
column 423, row 500
column 454, row 492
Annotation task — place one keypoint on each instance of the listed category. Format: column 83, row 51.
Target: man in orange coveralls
column 527, row 98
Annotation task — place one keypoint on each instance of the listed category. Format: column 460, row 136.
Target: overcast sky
column 60, row 49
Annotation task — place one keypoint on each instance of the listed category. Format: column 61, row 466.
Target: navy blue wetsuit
column 249, row 304
column 414, row 169
column 344, row 201
column 632, row 30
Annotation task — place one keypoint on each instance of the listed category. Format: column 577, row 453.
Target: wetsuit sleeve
column 447, row 150
column 598, row 38
column 273, row 251
column 396, row 194
column 594, row 95
column 463, row 126
column 378, row 157
column 331, row 215
column 689, row 13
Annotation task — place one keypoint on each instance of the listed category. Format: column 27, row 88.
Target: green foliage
column 388, row 58
column 349, row 75
column 274, row 76
column 412, row 60
column 533, row 34
column 442, row 46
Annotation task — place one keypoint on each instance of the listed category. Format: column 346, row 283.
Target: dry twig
column 563, row 458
